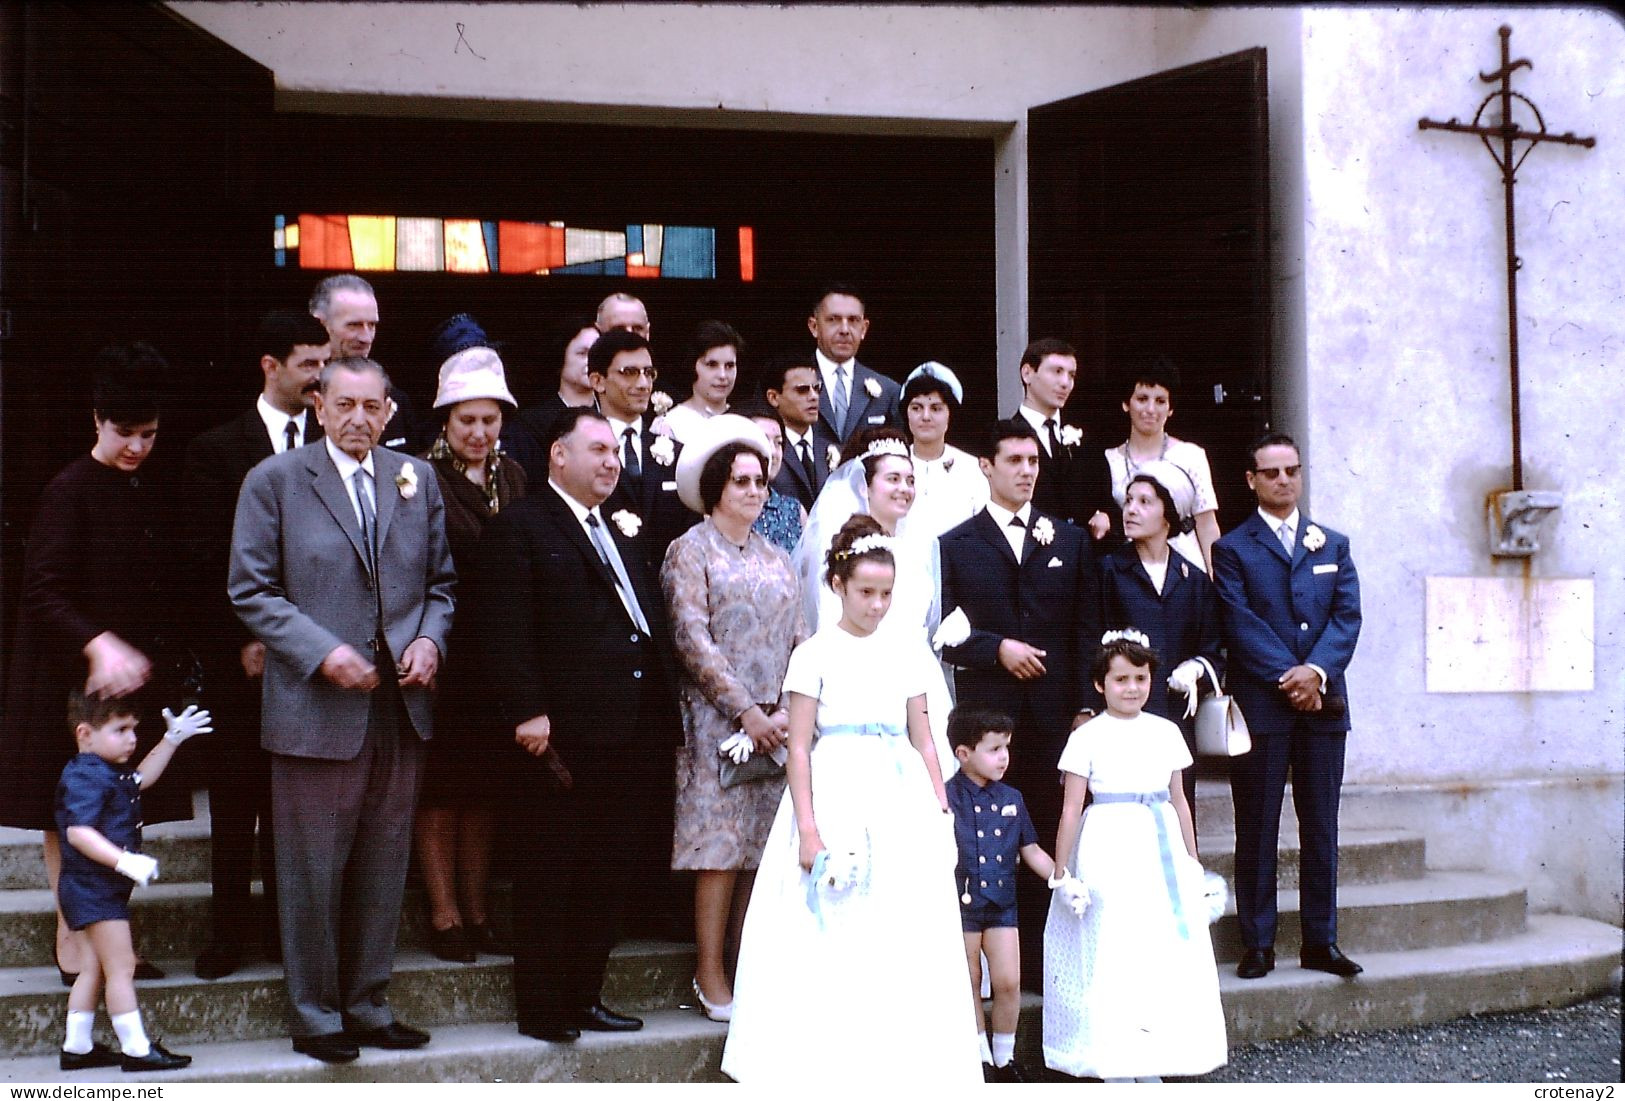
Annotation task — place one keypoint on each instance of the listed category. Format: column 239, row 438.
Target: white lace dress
column 1130, row 988
column 868, row 985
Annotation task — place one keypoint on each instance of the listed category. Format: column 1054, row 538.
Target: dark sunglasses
column 1273, row 472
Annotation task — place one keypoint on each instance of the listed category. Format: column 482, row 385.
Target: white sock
column 1148, row 1078
column 80, row 1022
column 987, row 1053
column 1004, row 1047
column 132, row 1037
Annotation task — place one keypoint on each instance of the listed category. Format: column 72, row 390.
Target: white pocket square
column 1053, row 562
column 878, row 419
column 1329, row 567
column 669, row 487
column 1008, row 811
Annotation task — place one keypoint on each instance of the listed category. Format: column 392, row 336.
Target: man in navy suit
column 854, row 396
column 572, row 636
column 792, row 386
column 1027, row 582
column 1076, row 482
column 1292, row 616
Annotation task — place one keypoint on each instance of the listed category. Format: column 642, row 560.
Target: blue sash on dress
column 1169, row 875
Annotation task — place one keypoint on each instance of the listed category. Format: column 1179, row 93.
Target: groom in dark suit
column 573, row 636
column 292, row 347
column 340, row 566
column 854, row 397
column 1027, row 582
column 1292, row 617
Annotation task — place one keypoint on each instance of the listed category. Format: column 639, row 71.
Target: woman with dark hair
column 457, row 805
column 948, row 484
column 98, row 611
column 735, row 619
column 783, row 519
column 1147, row 584
column 715, row 352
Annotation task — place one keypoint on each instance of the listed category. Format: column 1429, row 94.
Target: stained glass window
column 387, row 242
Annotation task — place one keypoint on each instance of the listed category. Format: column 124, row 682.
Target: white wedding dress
column 916, row 603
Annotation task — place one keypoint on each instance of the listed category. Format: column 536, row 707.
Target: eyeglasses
column 1270, row 473
column 630, row 373
column 805, row 387
column 748, row 481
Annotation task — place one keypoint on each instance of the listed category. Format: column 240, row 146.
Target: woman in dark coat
column 98, row 610
column 455, row 821
column 1148, row 585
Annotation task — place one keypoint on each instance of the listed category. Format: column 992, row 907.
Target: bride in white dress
column 879, row 482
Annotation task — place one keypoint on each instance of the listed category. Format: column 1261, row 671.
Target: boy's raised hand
column 178, row 728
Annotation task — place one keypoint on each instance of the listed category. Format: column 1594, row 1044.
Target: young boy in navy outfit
column 994, row 835
column 98, row 812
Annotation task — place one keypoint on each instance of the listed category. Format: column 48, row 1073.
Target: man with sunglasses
column 1292, row 617
column 792, row 386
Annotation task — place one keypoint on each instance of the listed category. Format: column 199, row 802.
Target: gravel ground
column 1578, row 1043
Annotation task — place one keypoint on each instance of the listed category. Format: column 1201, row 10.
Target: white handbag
column 1221, row 728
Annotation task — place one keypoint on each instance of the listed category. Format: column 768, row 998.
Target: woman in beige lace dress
column 735, row 617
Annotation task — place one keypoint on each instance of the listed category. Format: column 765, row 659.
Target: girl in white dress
column 877, row 479
column 851, row 966
column 1130, row 987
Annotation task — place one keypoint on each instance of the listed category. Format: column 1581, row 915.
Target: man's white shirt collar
column 792, row 438
column 1275, row 523
column 826, row 365
column 347, row 465
column 1038, row 421
column 580, row 510
column 1003, row 516
column 620, row 428
column 276, row 421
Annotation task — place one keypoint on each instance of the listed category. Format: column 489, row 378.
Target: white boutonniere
column 660, row 402
column 628, row 522
column 663, row 451
column 407, row 482
column 1071, row 435
column 1043, row 530
column 871, row 387
column 833, row 456
column 1313, row 538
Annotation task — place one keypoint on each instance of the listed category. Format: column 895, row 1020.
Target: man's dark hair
column 1012, row 428
column 772, row 377
column 1270, row 439
column 357, row 364
column 564, row 422
column 127, row 383
column 847, row 289
column 966, row 725
column 1035, row 352
column 1148, row 371
column 610, row 345
column 280, row 329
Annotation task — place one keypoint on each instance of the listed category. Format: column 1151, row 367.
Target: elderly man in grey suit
column 339, row 565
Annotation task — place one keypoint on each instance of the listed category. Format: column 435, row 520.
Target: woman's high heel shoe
column 712, row 1010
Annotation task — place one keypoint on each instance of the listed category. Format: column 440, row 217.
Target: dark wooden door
column 1150, row 235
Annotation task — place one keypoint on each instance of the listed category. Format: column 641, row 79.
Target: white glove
column 737, row 747
column 137, row 866
column 953, row 630
column 178, row 728
column 1072, row 891
column 1184, row 678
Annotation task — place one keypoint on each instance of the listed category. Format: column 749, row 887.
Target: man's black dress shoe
column 156, row 1058
column 552, row 1033
column 394, row 1035
column 217, row 961
column 334, row 1047
column 1328, row 958
column 451, row 944
column 99, row 1055
column 600, row 1018
column 1256, row 963
column 146, row 970
column 485, row 939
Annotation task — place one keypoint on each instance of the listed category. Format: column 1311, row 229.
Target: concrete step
column 1363, row 856
column 1438, row 910
column 181, row 848
column 674, row 1046
column 251, row 1004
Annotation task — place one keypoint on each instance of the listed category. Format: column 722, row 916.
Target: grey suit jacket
column 300, row 582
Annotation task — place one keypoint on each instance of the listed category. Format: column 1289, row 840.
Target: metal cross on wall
column 1507, row 132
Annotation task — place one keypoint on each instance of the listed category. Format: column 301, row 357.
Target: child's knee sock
column 1004, row 1047
column 80, row 1022
column 987, row 1054
column 132, row 1037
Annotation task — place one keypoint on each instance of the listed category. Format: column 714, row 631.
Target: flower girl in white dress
column 851, row 965
column 1130, row 987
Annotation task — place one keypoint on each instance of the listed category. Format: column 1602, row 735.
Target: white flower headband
column 864, row 544
column 886, row 446
column 1128, row 634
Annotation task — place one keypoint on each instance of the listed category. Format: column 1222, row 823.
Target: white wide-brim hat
column 470, row 374
column 1177, row 482
column 706, row 440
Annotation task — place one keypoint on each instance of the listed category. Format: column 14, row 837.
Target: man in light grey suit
column 339, row 565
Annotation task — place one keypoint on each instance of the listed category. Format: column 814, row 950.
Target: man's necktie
column 1018, row 542
column 1052, row 428
column 805, row 453
column 290, row 432
column 838, row 401
column 612, row 558
column 1286, row 537
column 629, row 452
